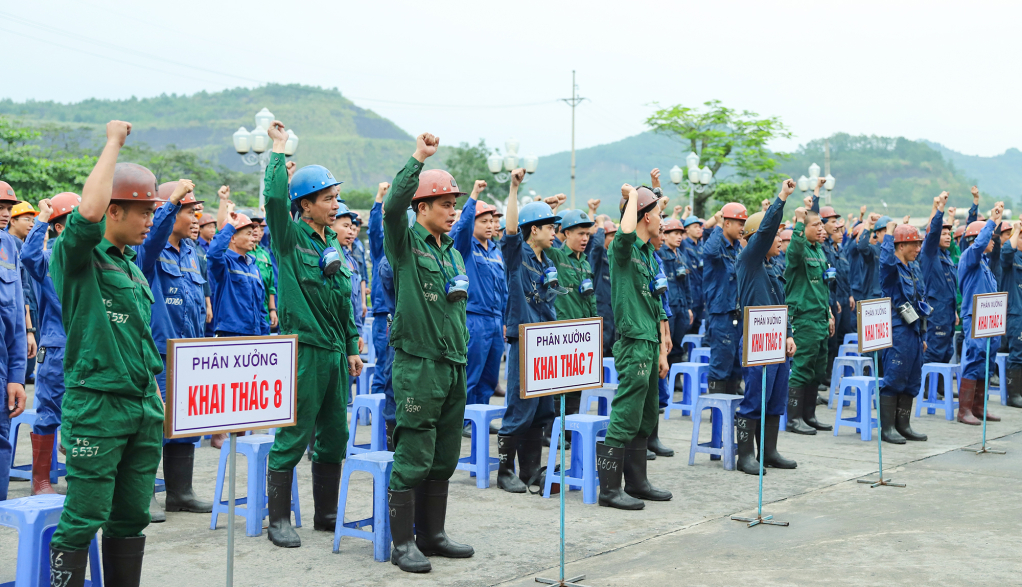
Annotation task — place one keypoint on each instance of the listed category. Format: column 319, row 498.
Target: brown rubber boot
column 42, row 454
column 977, row 403
column 966, row 395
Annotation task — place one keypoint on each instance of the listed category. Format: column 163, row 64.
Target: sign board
column 989, row 315
column 559, row 357
column 218, row 385
column 874, row 318
column 765, row 335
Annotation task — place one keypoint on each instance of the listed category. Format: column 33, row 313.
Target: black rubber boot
column 888, row 413
column 507, row 447
column 795, row 423
column 745, row 429
column 734, row 386
column 67, row 567
column 716, row 386
column 278, row 490
column 178, row 463
column 903, row 414
column 772, row 458
column 326, row 483
column 809, row 409
column 156, row 513
column 1015, row 388
column 655, row 445
column 122, row 561
column 636, row 482
column 610, row 467
column 405, row 553
column 530, row 453
column 430, row 516
column 390, row 434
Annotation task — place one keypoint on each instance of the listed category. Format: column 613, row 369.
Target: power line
column 453, row 105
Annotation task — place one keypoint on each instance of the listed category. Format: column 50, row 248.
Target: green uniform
column 265, row 266
column 808, row 299
column 112, row 424
column 318, row 310
column 637, row 316
column 430, row 341
column 572, row 268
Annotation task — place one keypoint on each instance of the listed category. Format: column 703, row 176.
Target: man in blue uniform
column 720, row 289
column 14, row 351
column 940, row 278
column 382, row 294
column 1011, row 265
column 239, row 286
column 344, row 226
column 692, row 249
column 676, row 270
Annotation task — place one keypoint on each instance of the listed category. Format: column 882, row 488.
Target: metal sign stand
column 986, row 399
column 232, row 458
column 880, row 448
column 760, row 518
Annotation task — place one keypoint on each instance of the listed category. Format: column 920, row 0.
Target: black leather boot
column 610, row 467
column 745, row 429
column 278, row 490
column 326, row 483
column 1014, row 384
column 507, row 447
column 636, row 482
column 809, row 409
column 530, row 453
column 655, row 445
column 903, row 414
column 178, row 463
column 734, row 386
column 430, row 516
column 888, row 414
column 122, row 561
column 156, row 513
column 405, row 553
column 795, row 423
column 390, row 434
column 772, row 458
column 67, row 567
column 716, row 386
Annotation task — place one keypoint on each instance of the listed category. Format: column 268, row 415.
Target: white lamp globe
column 692, row 161
column 260, row 140
column 264, row 118
column 292, row 143
column 676, row 175
column 705, row 176
column 242, row 141
column 494, row 162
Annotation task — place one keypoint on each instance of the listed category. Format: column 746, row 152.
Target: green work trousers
column 636, row 403
column 323, row 386
column 809, row 365
column 430, row 397
column 114, row 444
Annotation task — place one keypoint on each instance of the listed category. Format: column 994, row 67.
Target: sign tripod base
column 886, row 482
column 985, row 450
column 759, row 520
column 562, row 582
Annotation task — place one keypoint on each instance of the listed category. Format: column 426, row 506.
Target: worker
column 239, row 285
column 940, row 281
column 600, row 263
column 14, row 351
column 720, row 290
column 692, row 248
column 382, row 293
column 1011, row 264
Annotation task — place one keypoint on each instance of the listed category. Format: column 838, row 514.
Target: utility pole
column 826, row 163
column 575, row 100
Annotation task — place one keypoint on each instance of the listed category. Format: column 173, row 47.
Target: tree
column 36, row 164
column 171, row 164
column 723, row 136
column 750, row 193
column 468, row 163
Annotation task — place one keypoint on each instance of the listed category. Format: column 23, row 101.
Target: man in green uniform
column 113, row 416
column 640, row 354
column 316, row 293
column 430, row 341
column 812, row 323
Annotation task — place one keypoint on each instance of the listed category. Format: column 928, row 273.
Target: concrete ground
column 958, row 522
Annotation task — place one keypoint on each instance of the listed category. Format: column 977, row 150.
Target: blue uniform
column 902, row 362
column 49, row 383
column 664, row 395
column 529, row 300
column 1011, row 266
column 239, row 288
column 975, row 277
column 676, row 271
column 31, row 300
column 351, row 258
column 720, row 290
column 381, row 291
column 487, row 290
column 940, row 278
column 600, row 263
column 14, row 350
column 693, row 254
column 869, row 255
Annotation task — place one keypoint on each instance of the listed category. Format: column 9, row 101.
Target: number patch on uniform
column 83, row 448
column 117, row 318
column 411, row 407
column 174, row 301
column 430, row 296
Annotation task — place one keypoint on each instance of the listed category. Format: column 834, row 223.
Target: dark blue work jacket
column 37, row 262
column 487, row 284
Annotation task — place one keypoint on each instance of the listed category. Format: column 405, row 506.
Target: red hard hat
column 241, row 221
column 906, row 233
column 734, row 211
column 672, row 224
column 484, row 208
column 974, row 227
column 63, row 204
column 7, row 193
column 436, row 182
column 786, row 234
column 959, row 231
column 1005, row 226
column 134, row 183
column 166, row 189
column 828, row 212
column 949, row 221
column 206, row 219
column 858, row 229
column 609, row 227
column 645, row 200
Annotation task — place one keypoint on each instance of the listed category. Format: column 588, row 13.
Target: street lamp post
column 809, row 183
column 698, row 179
column 501, row 167
column 254, row 147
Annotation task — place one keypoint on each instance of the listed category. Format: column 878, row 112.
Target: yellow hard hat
column 752, row 223
column 22, row 208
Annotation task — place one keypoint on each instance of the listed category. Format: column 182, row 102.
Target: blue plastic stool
column 848, row 350
column 364, row 382
column 696, row 340
column 35, row 518
column 702, row 327
column 699, row 355
column 1002, row 373
column 256, row 448
column 479, row 463
column 57, row 469
column 722, row 416
column 581, row 474
column 603, row 396
column 928, row 392
column 693, row 375
column 863, row 422
column 370, row 404
column 378, row 464
column 847, row 367
column 851, row 338
column 609, row 372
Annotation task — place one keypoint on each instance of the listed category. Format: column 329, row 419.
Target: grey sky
column 945, row 71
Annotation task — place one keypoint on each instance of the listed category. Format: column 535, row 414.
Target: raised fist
column 517, row 176
column 820, row 181
column 426, row 144
column 677, row 211
column 627, row 190
column 276, row 131
column 906, row 219
column 479, row 185
column 654, row 177
column 687, row 212
column 800, row 214
column 224, row 193
column 862, row 210
column 873, row 217
column 787, row 188
column 45, row 209
column 808, row 201
column 291, row 168
column 184, row 187
column 593, row 204
column 117, row 131
column 381, row 190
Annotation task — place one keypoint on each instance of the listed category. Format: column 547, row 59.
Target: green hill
column 1000, row 176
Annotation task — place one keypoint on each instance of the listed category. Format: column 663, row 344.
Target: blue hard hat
column 309, row 180
column 343, row 210
column 536, row 213
column 692, row 220
column 882, row 223
column 503, row 223
column 575, row 218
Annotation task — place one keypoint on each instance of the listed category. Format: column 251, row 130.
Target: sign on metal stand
column 764, row 343
column 230, row 385
column 556, row 358
column 989, row 320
